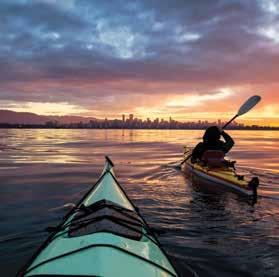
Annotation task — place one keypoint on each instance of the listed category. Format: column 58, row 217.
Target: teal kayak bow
column 103, row 235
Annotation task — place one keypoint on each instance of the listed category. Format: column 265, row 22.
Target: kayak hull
column 224, row 177
column 104, row 235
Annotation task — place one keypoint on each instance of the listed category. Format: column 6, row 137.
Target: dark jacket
column 201, row 147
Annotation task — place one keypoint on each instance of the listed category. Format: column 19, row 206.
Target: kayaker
column 211, row 141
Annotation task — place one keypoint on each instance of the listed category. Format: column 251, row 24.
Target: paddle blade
column 249, row 104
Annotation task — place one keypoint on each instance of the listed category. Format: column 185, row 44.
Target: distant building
column 123, row 117
column 131, row 117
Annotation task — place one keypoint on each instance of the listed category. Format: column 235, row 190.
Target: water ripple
column 210, row 233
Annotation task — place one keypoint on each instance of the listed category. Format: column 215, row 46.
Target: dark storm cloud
column 33, row 14
column 57, row 50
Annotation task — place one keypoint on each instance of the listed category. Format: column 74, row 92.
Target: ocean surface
column 214, row 233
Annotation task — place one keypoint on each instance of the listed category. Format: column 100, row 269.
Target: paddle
column 246, row 107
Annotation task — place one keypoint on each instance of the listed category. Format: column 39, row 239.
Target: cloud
column 136, row 55
column 61, row 108
column 198, row 100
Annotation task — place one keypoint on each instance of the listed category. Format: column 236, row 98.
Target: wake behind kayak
column 104, row 235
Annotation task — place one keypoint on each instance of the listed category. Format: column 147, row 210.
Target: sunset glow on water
column 43, row 170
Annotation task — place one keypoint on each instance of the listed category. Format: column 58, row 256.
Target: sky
column 192, row 60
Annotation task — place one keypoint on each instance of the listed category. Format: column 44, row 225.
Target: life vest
column 214, row 158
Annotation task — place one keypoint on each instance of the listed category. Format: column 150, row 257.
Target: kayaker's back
column 211, row 142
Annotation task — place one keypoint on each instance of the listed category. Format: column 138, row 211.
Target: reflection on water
column 214, row 232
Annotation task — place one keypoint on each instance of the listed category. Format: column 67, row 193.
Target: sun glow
column 197, row 100
column 62, row 108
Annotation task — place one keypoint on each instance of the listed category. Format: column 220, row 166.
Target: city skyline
column 10, row 119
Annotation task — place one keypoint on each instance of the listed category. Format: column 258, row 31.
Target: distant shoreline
column 11, row 119
column 27, row 126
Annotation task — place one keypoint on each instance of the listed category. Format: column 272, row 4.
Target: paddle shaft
column 186, row 159
column 229, row 121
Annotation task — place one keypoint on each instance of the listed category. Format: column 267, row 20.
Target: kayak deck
column 104, row 235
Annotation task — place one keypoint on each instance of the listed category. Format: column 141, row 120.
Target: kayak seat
column 213, row 158
column 109, row 217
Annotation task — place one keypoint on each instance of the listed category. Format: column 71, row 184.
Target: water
column 215, row 233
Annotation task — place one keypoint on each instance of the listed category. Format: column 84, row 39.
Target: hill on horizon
column 12, row 117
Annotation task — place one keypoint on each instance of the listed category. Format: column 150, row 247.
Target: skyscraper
column 131, row 117
column 123, row 117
